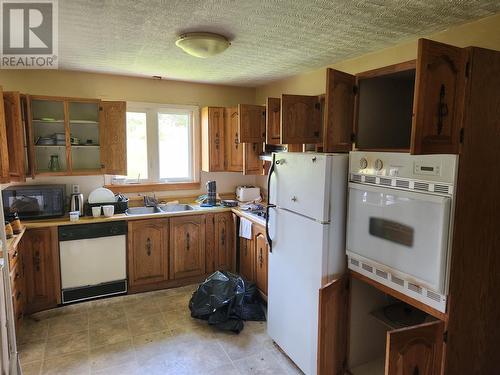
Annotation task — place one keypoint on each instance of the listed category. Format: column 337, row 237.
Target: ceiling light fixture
column 202, row 45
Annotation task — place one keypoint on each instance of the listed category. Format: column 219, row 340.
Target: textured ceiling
column 270, row 39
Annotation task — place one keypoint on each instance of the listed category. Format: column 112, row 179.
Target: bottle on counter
column 8, row 230
column 15, row 222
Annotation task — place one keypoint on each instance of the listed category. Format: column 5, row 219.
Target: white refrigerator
column 306, row 231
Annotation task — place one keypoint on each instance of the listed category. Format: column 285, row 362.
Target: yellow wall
column 482, row 33
column 115, row 87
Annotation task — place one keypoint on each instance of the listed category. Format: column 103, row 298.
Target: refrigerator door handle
column 269, row 204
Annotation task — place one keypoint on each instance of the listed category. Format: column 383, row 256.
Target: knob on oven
column 363, row 163
column 378, row 164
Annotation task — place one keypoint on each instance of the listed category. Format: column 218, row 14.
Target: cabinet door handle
column 148, row 246
column 442, row 109
column 223, row 237
column 261, row 258
column 187, row 241
column 36, row 260
column 236, row 140
column 217, row 141
column 246, row 248
column 18, row 295
column 416, row 371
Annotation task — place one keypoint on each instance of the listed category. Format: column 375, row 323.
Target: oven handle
column 269, row 204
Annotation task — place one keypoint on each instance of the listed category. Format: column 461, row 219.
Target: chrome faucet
column 150, row 201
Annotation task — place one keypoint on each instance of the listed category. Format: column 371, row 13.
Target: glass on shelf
column 50, row 159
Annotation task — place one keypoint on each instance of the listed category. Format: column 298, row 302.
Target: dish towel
column 245, row 228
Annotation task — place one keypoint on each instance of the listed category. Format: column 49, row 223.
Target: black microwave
column 35, row 201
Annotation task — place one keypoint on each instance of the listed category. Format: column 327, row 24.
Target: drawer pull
column 223, row 237
column 36, row 260
column 148, row 246
column 187, row 241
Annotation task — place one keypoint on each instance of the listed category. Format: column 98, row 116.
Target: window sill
column 147, row 187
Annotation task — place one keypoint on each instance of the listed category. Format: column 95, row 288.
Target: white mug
column 96, row 211
column 108, row 210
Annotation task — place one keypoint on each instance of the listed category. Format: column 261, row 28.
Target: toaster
column 247, row 193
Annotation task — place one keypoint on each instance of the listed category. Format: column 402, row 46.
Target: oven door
column 403, row 230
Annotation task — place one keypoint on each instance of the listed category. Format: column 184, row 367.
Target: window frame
column 152, row 111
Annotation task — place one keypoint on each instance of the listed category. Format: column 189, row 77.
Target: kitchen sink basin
column 163, row 208
column 143, row 211
column 175, row 207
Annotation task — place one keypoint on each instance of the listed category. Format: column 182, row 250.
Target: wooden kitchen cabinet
column 251, row 123
column 273, row 121
column 212, row 139
column 224, row 242
column 17, row 282
column 439, row 98
column 252, row 165
column 247, row 259
column 147, row 251
column 42, row 271
column 261, row 258
column 187, row 246
column 113, row 134
column 4, row 150
column 301, row 120
column 14, row 122
column 233, row 147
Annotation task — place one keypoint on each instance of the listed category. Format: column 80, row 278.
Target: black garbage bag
column 225, row 300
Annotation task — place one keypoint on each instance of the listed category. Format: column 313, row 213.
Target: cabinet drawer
column 16, row 275
column 18, row 304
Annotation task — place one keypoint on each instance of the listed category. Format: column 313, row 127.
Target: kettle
column 76, row 203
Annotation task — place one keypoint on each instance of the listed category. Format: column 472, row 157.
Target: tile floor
column 149, row 333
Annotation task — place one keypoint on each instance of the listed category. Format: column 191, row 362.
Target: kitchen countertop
column 91, row 220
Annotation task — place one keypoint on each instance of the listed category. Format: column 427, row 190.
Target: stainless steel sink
column 175, row 207
column 143, row 211
column 162, row 208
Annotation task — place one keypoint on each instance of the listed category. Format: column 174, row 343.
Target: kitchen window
column 161, row 144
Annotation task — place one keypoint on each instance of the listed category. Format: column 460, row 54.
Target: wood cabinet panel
column 439, row 98
column 113, row 134
column 273, row 121
column 301, row 120
column 187, row 246
column 43, row 281
column 261, row 259
column 224, row 241
column 234, row 150
column 147, row 251
column 4, row 150
column 252, row 165
column 212, row 137
column 18, row 286
column 15, row 135
column 247, row 258
column 339, row 111
column 333, row 326
column 252, row 123
column 415, row 350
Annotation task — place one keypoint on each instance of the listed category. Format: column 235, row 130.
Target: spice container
column 15, row 223
column 8, row 230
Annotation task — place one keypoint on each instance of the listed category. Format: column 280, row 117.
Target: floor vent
column 382, row 274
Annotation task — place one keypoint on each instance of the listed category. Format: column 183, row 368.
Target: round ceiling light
column 202, row 45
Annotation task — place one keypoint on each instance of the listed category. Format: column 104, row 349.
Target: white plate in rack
column 101, row 195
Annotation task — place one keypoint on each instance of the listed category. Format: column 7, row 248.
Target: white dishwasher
column 93, row 260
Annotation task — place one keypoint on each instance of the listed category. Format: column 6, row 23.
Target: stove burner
column 261, row 214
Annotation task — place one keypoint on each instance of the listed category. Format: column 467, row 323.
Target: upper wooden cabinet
column 339, row 111
column 252, row 123
column 4, row 151
column 251, row 160
column 212, row 138
column 187, row 246
column 412, row 106
column 41, row 259
column 113, row 132
column 273, row 121
column 301, row 120
column 147, row 251
column 439, row 98
column 16, row 136
column 233, row 149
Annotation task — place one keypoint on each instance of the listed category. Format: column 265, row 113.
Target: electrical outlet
column 75, row 189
